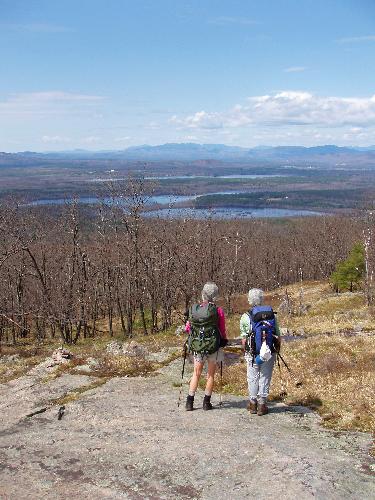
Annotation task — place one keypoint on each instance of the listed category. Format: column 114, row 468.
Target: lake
column 228, row 213
column 171, row 211
column 193, row 177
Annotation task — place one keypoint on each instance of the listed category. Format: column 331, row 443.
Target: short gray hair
column 255, row 296
column 210, row 291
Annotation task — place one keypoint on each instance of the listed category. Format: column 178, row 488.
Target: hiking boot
column 207, row 403
column 252, row 407
column 189, row 406
column 262, row 409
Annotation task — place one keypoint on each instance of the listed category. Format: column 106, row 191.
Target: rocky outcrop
column 110, row 445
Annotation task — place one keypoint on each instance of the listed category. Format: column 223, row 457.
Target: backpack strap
column 250, row 336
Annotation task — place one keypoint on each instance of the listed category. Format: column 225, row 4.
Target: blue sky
column 109, row 74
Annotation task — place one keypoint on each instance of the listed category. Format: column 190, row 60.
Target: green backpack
column 204, row 335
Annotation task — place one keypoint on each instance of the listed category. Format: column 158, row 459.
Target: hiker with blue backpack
column 207, row 336
column 261, row 341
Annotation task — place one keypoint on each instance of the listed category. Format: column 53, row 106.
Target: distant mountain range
column 193, row 151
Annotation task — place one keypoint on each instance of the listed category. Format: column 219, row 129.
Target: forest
column 73, row 272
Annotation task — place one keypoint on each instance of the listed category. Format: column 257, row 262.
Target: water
column 192, row 177
column 164, row 199
column 160, row 199
column 171, row 211
column 227, row 213
column 229, row 176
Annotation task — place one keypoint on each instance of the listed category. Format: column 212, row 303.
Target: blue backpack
column 263, row 326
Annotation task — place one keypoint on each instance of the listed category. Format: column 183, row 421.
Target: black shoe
column 207, row 403
column 189, row 406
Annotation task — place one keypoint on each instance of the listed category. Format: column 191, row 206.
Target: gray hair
column 210, row 291
column 255, row 296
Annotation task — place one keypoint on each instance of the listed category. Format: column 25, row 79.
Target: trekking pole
column 283, row 360
column 283, row 392
column 297, row 383
column 221, row 384
column 182, row 374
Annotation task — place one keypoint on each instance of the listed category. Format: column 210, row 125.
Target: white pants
column 259, row 378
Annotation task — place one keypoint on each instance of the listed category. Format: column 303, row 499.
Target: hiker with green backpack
column 260, row 334
column 207, row 335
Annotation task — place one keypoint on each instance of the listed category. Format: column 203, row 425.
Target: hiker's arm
column 187, row 322
column 221, row 323
column 277, row 327
column 245, row 328
column 277, row 342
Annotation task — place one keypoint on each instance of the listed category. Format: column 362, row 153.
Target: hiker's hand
column 243, row 340
column 277, row 345
column 223, row 342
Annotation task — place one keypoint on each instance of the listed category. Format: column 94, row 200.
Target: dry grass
column 29, row 356
column 77, row 393
column 327, row 312
column 335, row 364
column 154, row 342
column 18, row 368
column 337, row 375
column 337, row 370
column 109, row 365
column 124, row 366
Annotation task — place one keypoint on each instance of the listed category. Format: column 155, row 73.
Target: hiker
column 260, row 334
column 206, row 328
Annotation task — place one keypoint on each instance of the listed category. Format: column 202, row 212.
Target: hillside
column 122, row 435
column 329, row 154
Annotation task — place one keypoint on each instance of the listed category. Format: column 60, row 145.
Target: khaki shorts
column 217, row 356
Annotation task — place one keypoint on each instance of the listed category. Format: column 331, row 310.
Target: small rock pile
column 10, row 358
column 132, row 349
column 114, row 348
column 91, row 365
column 60, row 356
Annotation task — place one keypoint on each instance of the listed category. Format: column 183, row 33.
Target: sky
column 110, row 74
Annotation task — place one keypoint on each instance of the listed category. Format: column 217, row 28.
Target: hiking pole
column 221, row 384
column 297, row 383
column 182, row 374
column 283, row 392
column 283, row 360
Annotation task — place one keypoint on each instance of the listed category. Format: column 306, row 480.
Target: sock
column 191, row 394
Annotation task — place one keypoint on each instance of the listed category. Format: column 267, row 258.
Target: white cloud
column 295, row 69
column 152, row 126
column 52, row 96
column 92, row 139
column 357, row 39
column 46, row 103
column 55, row 139
column 122, row 139
column 285, row 109
column 189, row 138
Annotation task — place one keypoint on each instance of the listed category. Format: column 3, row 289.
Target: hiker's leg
column 211, row 369
column 266, row 370
column 198, row 367
column 252, row 379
